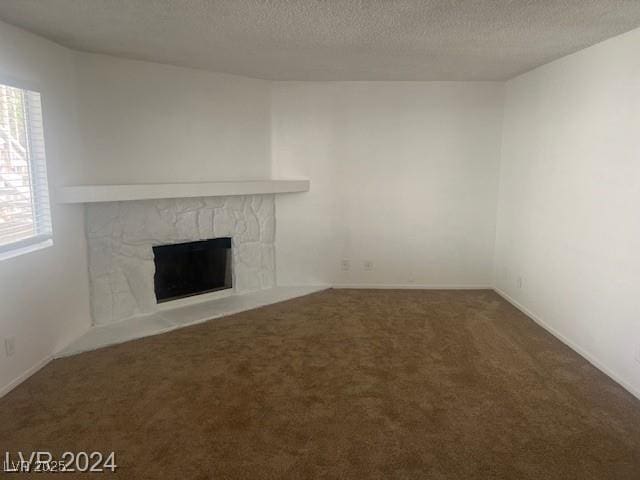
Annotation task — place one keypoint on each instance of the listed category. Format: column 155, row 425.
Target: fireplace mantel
column 148, row 191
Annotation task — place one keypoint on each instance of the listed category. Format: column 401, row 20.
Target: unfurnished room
column 338, row 239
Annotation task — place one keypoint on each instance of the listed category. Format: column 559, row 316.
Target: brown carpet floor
column 353, row 384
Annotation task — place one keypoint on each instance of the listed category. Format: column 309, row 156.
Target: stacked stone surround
column 120, row 237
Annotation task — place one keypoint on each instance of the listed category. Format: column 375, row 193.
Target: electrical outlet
column 519, row 282
column 368, row 265
column 345, row 265
column 10, row 346
column 638, row 354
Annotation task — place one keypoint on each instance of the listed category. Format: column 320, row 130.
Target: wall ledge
column 148, row 191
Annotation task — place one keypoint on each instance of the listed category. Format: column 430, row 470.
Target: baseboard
column 316, row 286
column 410, row 286
column 573, row 346
column 24, row 375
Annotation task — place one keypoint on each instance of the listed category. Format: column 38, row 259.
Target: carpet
column 357, row 384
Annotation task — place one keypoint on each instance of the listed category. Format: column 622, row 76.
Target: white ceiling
column 332, row 39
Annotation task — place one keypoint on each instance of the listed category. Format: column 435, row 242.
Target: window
column 25, row 219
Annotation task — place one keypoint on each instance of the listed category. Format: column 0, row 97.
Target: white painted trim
column 23, row 250
column 20, row 83
column 147, row 191
column 196, row 299
column 592, row 359
column 24, row 375
column 409, row 286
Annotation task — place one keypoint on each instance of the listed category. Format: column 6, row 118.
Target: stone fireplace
column 121, row 237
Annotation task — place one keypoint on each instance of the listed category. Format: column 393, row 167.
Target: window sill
column 16, row 252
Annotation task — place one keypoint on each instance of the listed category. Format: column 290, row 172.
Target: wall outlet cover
column 368, row 265
column 345, row 265
column 10, row 346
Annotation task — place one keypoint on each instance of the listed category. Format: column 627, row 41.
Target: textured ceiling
column 332, row 39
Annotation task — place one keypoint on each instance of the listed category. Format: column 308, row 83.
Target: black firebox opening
column 192, row 268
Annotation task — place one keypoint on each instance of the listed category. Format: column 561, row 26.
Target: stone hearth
column 120, row 237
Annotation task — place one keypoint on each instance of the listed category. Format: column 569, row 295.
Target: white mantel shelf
column 148, row 191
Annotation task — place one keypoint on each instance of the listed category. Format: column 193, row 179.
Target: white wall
column 109, row 120
column 44, row 299
column 146, row 122
column 403, row 174
column 568, row 220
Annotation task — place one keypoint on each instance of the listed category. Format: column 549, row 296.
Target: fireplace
column 192, row 268
column 124, row 239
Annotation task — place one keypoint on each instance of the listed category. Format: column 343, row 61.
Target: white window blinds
column 25, row 218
